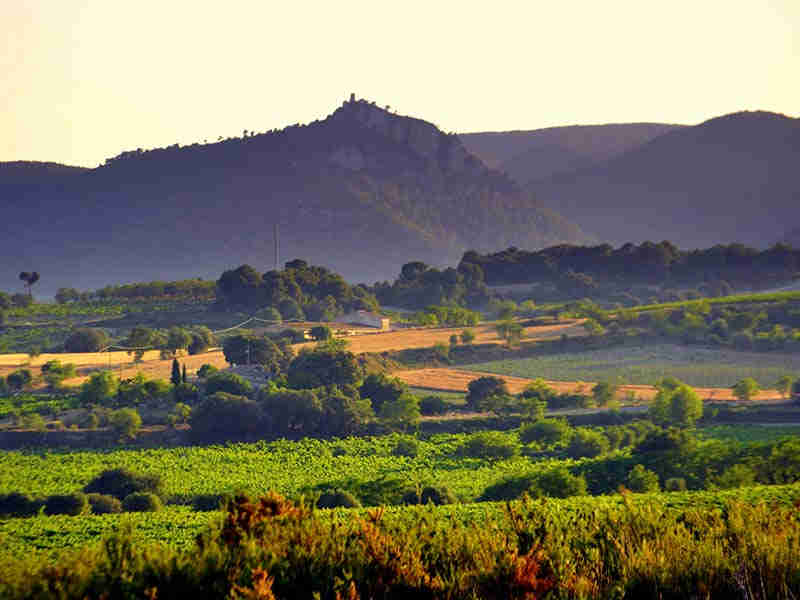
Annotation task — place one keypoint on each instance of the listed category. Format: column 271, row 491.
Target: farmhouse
column 367, row 319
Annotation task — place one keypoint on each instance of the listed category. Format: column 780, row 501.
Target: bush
column 675, row 484
column 15, row 504
column 126, row 422
column 337, row 499
column 406, row 446
column 141, row 502
column 66, row 504
column 103, row 504
column 483, row 388
column 86, row 340
column 545, row 431
column 642, row 481
column 490, row 445
column 430, row 495
column 210, row 502
column 587, row 443
column 206, row 371
column 19, row 379
column 432, row 405
column 229, row 383
column 101, row 388
column 560, row 483
column 120, row 483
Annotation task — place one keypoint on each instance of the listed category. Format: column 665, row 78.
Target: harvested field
column 455, row 380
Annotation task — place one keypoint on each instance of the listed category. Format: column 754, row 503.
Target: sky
column 87, row 79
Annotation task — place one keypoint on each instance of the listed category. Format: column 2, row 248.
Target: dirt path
column 455, row 380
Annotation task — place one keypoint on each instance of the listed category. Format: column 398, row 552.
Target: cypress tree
column 175, row 379
column 183, row 375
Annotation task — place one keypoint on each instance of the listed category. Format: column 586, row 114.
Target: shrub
column 206, row 371
column 141, row 502
column 545, row 431
column 739, row 475
column 33, row 421
column 406, row 446
column 210, row 502
column 675, row 484
column 560, row 483
column 103, row 504
column 587, row 443
column 490, row 445
column 66, row 504
column 437, row 495
column 229, row 383
column 510, row 488
column 16, row 504
column 642, row 480
column 337, row 498
column 467, row 336
column 122, row 482
column 432, row 405
column 86, row 340
column 19, row 379
column 401, row 412
column 483, row 388
column 101, row 388
column 126, row 422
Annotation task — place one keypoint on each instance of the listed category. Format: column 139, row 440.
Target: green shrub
column 490, row 445
column 437, row 495
column 510, row 488
column 545, row 431
column 337, row 499
column 210, row 502
column 16, row 504
column 103, row 504
column 86, row 340
column 121, row 483
column 587, row 443
column 675, row 484
column 66, row 504
column 141, row 502
column 406, row 446
column 206, row 371
column 560, row 483
column 230, row 383
column 642, row 480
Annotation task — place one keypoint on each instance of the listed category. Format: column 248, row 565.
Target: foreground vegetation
column 273, row 548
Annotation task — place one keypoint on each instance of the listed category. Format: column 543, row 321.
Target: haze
column 86, row 80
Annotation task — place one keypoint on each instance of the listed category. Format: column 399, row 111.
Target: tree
column 321, row 333
column 467, row 336
column 560, row 483
column 64, row 295
column 29, row 279
column 480, row 390
column 453, row 340
column 19, row 380
column 202, row 340
column 175, row 378
column 642, row 481
column 126, row 422
column 545, row 431
column 323, row 367
column 400, row 412
column 676, row 404
column 379, row 389
column 101, row 388
column 587, row 443
column 177, row 339
column 54, row 372
column 86, row 340
column 510, row 331
column 251, row 350
column 604, row 393
column 784, row 385
column 291, row 411
column 745, row 389
column 230, row 383
column 223, row 416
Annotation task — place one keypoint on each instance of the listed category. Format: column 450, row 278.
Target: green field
column 695, row 365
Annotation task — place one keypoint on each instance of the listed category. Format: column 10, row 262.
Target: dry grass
column 455, row 380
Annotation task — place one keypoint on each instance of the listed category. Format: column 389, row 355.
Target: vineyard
column 645, row 365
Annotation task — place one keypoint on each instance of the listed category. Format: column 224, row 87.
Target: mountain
column 361, row 192
column 536, row 154
column 792, row 238
column 734, row 178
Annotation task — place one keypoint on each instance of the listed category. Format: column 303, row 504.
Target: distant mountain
column 540, row 153
column 731, row 179
column 362, row 192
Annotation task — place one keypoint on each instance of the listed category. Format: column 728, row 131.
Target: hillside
column 362, row 192
column 540, row 153
column 731, row 179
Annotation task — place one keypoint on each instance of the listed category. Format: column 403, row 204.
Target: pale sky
column 83, row 80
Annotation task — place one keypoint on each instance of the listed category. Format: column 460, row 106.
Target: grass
column 697, row 366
